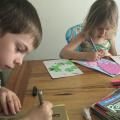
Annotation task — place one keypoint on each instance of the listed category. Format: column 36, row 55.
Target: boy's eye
column 18, row 49
column 21, row 48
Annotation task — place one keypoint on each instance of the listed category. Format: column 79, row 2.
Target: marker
column 93, row 44
column 34, row 91
column 0, row 84
column 40, row 96
column 115, row 82
column 86, row 114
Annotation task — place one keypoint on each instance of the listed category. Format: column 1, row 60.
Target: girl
column 20, row 33
column 97, row 39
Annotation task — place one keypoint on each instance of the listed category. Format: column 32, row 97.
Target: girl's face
column 13, row 48
column 103, row 31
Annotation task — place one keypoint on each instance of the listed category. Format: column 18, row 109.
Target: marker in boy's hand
column 40, row 96
column 39, row 93
column 44, row 106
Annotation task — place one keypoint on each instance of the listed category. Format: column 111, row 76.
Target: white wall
column 56, row 17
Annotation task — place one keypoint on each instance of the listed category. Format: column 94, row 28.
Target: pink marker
column 115, row 82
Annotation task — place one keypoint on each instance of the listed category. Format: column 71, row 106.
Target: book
column 109, row 107
column 61, row 68
column 105, row 66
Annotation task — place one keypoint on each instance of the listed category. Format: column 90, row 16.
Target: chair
column 73, row 32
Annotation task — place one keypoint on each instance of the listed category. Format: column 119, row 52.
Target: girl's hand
column 9, row 102
column 105, row 54
column 43, row 112
column 93, row 56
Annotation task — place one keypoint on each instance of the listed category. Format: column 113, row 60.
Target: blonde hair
column 101, row 12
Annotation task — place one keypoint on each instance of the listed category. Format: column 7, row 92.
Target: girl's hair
column 102, row 12
column 19, row 16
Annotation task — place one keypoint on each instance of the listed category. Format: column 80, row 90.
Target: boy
column 20, row 33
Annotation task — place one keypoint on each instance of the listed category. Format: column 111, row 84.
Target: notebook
column 105, row 66
column 59, row 113
column 61, row 68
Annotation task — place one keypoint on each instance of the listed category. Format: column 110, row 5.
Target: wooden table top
column 75, row 92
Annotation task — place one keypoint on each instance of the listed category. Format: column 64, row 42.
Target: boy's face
column 13, row 48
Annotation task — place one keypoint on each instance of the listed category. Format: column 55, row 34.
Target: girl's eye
column 100, row 29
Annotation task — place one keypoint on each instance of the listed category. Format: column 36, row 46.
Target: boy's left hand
column 9, row 102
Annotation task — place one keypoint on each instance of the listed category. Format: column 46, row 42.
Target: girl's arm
column 68, row 52
column 113, row 49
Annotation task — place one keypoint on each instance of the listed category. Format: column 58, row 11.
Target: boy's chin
column 5, row 67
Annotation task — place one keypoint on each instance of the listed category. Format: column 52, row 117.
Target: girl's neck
column 98, row 40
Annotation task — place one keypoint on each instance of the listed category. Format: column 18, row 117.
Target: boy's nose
column 19, row 60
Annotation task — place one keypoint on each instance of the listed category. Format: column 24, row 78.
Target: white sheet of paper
column 62, row 68
column 116, row 59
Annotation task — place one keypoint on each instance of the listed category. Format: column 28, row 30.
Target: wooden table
column 75, row 92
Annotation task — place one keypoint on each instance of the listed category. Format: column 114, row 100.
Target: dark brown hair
column 20, row 16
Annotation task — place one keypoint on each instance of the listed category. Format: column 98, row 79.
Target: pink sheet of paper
column 109, row 67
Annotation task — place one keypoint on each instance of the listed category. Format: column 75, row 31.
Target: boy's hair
column 19, row 16
column 102, row 12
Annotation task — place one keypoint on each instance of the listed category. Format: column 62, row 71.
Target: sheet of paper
column 116, row 59
column 62, row 68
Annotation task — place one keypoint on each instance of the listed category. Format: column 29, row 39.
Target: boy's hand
column 41, row 112
column 9, row 102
